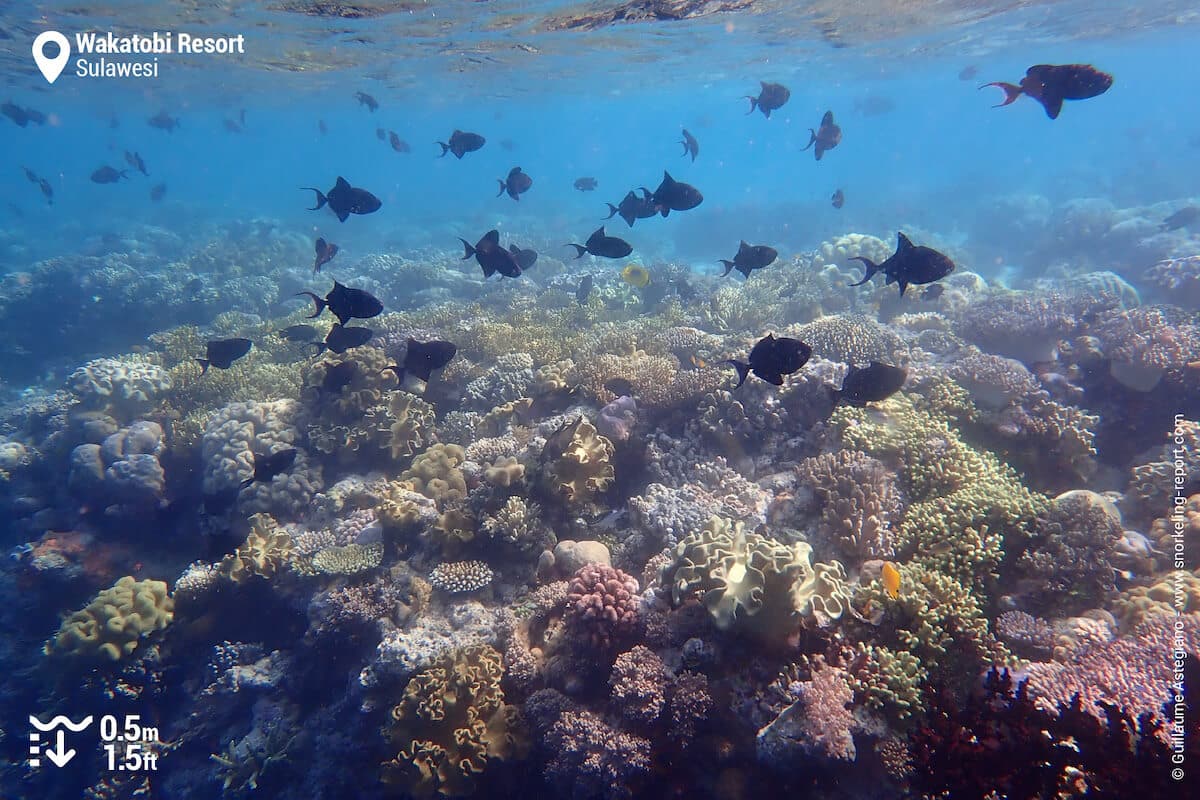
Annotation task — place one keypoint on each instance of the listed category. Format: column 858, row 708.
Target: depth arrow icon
column 58, row 754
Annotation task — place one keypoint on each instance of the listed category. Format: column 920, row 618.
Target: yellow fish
column 636, row 275
column 891, row 579
column 697, row 362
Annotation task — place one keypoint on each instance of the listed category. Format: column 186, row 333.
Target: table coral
column 114, row 624
column 351, row 559
column 460, row 577
column 1026, row 326
column 450, row 723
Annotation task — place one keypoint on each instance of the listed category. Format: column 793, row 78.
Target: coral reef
column 114, row 624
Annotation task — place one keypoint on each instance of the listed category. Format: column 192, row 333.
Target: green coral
column 115, row 622
column 889, row 681
column 451, row 722
column 349, row 560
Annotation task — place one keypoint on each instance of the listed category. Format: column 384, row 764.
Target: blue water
column 292, row 679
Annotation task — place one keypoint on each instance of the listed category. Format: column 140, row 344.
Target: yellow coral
column 582, row 469
column 266, row 552
column 113, row 624
column 451, row 722
column 436, row 475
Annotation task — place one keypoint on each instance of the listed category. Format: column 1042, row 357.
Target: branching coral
column 859, row 501
column 602, row 606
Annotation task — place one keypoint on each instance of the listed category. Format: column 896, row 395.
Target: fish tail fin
column 753, row 104
column 1011, row 92
column 728, row 267
column 502, row 187
column 580, row 249
column 203, row 362
column 743, row 370
column 871, row 268
column 613, row 210
column 445, row 148
column 812, row 139
column 319, row 302
column 468, row 250
column 321, row 198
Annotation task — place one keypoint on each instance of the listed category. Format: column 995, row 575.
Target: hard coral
column 1144, row 343
column 851, row 338
column 602, row 606
column 580, row 465
column 859, row 501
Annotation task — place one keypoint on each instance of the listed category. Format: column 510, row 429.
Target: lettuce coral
column 450, row 723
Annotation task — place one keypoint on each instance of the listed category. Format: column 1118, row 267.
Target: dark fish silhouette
column 1183, row 218
column 345, row 200
column 871, row 384
column 107, row 175
column 462, row 143
column 325, row 253
column 771, row 359
column 232, row 125
column 690, row 145
column 398, row 144
column 163, row 121
column 267, row 467
column 524, row 258
column 322, row 127
column 43, row 184
column 346, row 303
column 22, row 116
column 135, row 160
column 750, row 258
column 672, row 195
column 299, row 333
column 633, row 207
column 968, row 72
column 599, row 244
column 338, row 376
column 933, row 291
column 422, row 358
column 585, row 290
column 365, row 99
column 909, row 264
column 839, row 199
column 586, row 184
column 221, row 353
column 621, row 387
column 1051, row 84
column 825, row 137
column 771, row 98
column 341, row 338
column 516, row 184
column 491, row 256
column 157, row 192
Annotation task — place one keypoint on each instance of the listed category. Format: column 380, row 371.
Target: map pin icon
column 51, row 67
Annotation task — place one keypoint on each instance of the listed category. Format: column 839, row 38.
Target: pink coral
column 1132, row 672
column 638, row 683
column 592, row 759
column 602, row 605
column 827, row 716
column 689, row 706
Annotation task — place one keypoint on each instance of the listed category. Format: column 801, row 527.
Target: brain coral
column 239, row 431
column 452, row 721
column 113, row 624
column 120, row 386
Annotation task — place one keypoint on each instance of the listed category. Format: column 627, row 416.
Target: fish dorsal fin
column 827, row 120
column 902, row 242
column 763, row 84
column 514, row 171
column 342, row 183
column 336, row 286
column 598, row 234
column 457, row 132
column 492, row 236
column 667, row 179
column 743, row 247
column 512, row 248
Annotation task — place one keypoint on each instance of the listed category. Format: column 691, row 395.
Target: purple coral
column 617, row 419
column 593, row 760
column 689, row 705
column 602, row 606
column 638, row 683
